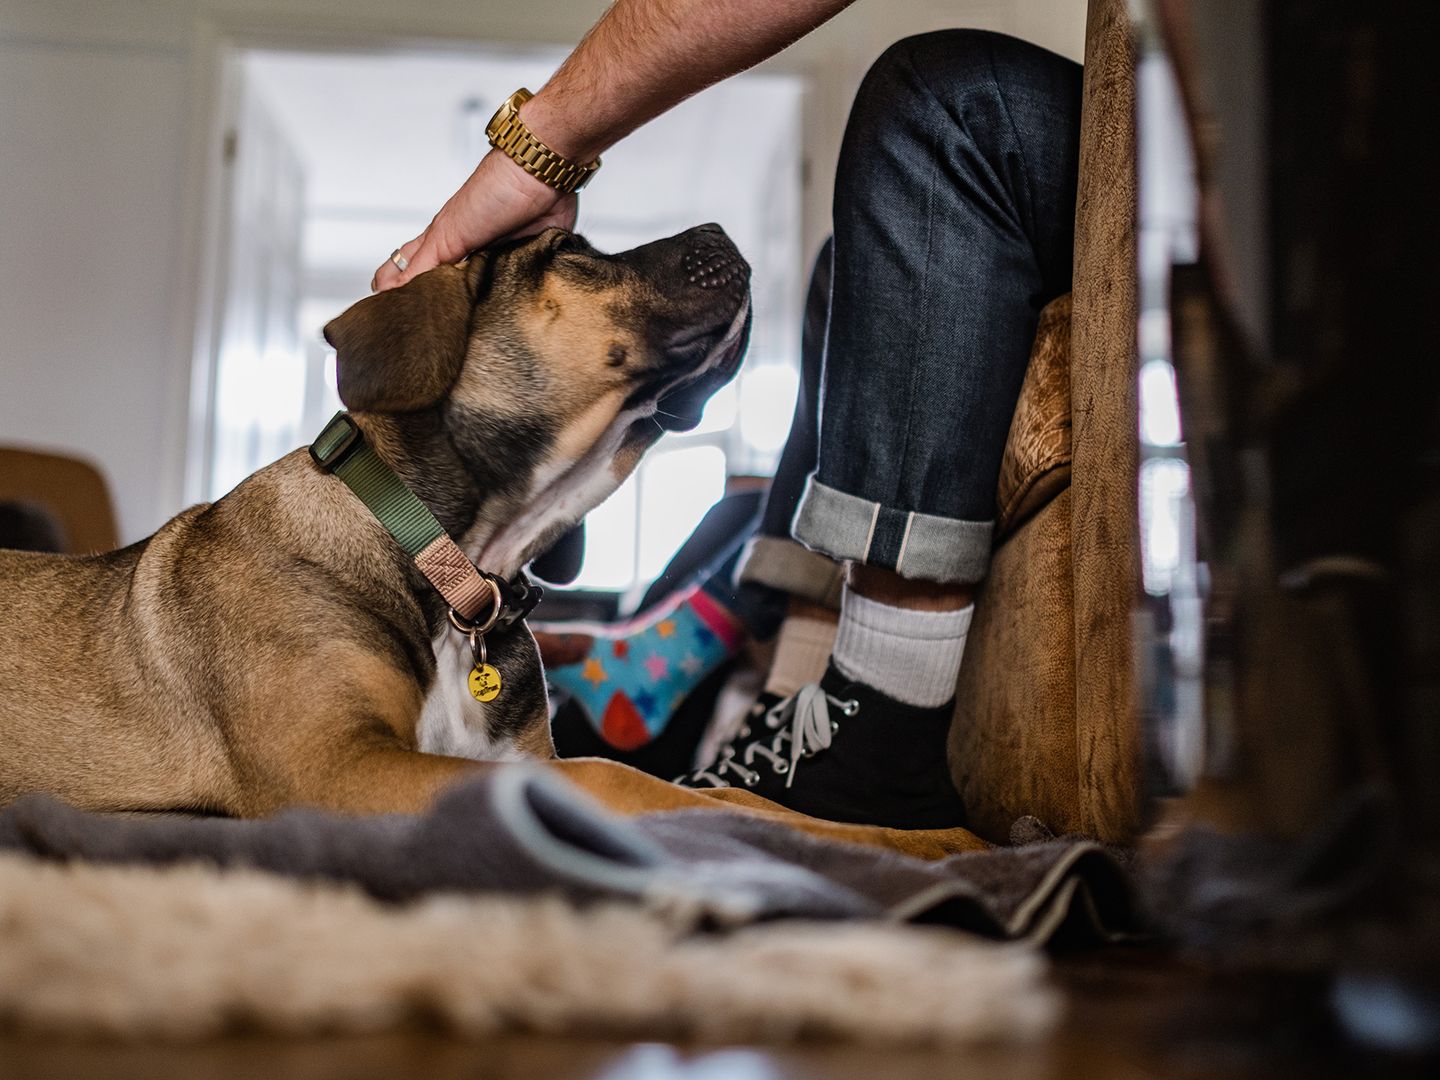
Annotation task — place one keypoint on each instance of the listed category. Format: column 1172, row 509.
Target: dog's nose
column 711, row 260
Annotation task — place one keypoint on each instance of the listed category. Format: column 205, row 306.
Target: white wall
column 90, row 179
column 107, row 144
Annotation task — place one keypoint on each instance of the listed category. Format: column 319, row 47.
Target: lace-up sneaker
column 843, row 751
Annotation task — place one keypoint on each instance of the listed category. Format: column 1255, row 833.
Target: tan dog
column 277, row 646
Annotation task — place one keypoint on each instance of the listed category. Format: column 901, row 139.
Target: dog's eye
column 617, row 355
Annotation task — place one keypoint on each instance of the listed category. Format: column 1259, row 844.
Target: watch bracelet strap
column 341, row 449
column 517, row 142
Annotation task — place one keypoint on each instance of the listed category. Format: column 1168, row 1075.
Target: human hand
column 499, row 199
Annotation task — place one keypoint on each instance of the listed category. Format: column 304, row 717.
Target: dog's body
column 278, row 646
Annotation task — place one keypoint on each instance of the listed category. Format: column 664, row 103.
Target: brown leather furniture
column 67, row 489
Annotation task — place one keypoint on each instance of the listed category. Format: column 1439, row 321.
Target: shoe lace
column 801, row 725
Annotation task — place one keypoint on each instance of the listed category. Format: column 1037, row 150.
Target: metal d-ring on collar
column 485, row 625
column 510, row 601
column 476, row 631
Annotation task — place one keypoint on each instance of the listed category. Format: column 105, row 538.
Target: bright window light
column 1159, row 404
column 633, row 534
column 767, row 405
column 257, row 414
column 610, row 541
column 676, row 488
column 1164, row 483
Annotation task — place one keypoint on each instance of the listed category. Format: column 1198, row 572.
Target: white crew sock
column 911, row 656
column 802, row 650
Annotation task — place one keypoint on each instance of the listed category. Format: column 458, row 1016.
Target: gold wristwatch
column 508, row 134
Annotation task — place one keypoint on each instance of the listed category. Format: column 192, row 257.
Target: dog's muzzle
column 711, row 264
column 682, row 408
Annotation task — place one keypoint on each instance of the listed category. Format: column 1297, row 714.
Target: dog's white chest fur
column 452, row 721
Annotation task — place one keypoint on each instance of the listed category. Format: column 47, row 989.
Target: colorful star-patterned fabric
column 636, row 674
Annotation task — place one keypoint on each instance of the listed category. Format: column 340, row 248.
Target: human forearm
column 646, row 56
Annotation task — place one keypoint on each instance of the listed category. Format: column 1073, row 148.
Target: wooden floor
column 1132, row 1014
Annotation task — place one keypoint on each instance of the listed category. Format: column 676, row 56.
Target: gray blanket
column 521, row 830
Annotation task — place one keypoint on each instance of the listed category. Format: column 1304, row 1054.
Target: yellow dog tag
column 484, row 682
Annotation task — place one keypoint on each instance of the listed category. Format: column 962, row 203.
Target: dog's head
column 548, row 368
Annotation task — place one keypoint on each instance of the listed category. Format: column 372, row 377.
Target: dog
column 279, row 647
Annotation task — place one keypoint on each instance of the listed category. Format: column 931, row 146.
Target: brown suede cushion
column 1036, row 465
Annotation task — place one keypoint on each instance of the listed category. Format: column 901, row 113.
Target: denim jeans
column 954, row 220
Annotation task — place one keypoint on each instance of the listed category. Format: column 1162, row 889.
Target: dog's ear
column 402, row 349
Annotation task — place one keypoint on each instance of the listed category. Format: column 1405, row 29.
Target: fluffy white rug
column 190, row 952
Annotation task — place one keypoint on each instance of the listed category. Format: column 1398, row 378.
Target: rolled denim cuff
column 923, row 547
column 783, row 564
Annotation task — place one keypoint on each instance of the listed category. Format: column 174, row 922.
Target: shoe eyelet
column 850, row 708
column 781, row 768
column 744, row 732
column 834, row 727
column 752, row 780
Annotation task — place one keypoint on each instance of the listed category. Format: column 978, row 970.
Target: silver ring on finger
column 400, row 261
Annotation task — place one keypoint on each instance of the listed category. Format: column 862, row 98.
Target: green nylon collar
column 341, row 448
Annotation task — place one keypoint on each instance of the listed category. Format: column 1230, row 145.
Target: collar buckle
column 340, row 438
column 519, row 595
